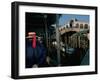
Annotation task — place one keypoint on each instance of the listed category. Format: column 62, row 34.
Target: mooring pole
column 58, row 39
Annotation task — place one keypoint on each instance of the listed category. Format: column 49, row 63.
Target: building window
column 66, row 26
column 81, row 26
column 77, row 25
column 71, row 23
column 61, row 29
column 86, row 26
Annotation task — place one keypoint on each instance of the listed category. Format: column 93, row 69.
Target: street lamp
column 46, row 28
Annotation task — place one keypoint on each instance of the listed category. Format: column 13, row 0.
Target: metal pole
column 58, row 39
column 46, row 29
column 79, row 41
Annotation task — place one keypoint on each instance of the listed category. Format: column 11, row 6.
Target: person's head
column 39, row 39
column 30, row 35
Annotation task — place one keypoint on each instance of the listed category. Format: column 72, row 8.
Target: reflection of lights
column 63, row 49
column 53, row 25
column 45, row 16
column 54, row 43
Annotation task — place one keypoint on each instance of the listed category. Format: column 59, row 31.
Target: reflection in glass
column 56, row 40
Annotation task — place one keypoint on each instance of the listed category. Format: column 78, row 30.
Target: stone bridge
column 65, row 30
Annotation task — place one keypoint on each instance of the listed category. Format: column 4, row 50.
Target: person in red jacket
column 35, row 51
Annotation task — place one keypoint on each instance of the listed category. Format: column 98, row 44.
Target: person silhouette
column 35, row 51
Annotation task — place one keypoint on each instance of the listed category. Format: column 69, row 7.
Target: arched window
column 66, row 26
column 71, row 23
column 77, row 25
column 86, row 26
column 81, row 26
column 61, row 29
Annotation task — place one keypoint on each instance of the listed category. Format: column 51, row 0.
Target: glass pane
column 56, row 40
